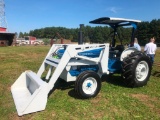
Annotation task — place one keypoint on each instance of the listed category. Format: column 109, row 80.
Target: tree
column 46, row 41
column 25, row 34
column 100, row 34
column 21, row 35
column 143, row 32
column 16, row 34
column 155, row 29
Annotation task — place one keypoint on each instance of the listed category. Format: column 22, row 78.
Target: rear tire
column 136, row 69
column 88, row 84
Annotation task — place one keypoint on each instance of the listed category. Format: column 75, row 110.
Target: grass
column 115, row 100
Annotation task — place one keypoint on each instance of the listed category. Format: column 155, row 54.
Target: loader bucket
column 29, row 93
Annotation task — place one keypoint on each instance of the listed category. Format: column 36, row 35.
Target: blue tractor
column 84, row 64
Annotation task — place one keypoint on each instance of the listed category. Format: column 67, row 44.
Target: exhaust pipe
column 80, row 34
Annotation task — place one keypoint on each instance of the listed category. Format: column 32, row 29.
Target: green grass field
column 115, row 101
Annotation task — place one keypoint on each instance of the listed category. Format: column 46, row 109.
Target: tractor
column 83, row 64
column 133, row 65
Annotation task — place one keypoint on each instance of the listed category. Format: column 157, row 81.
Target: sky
column 26, row 15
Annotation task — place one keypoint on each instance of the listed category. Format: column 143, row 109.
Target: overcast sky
column 26, row 15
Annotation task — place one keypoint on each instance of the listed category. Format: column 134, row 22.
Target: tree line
column 100, row 34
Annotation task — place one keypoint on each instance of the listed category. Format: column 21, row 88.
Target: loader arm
column 30, row 92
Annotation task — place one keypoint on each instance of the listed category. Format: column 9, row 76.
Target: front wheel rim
column 89, row 85
column 142, row 70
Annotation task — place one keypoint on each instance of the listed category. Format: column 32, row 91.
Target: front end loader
column 83, row 64
column 71, row 63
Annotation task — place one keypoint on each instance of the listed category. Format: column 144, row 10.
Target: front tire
column 136, row 69
column 88, row 84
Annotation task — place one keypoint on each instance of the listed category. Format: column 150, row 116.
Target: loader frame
column 30, row 92
column 72, row 58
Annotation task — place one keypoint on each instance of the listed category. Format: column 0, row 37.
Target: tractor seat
column 120, row 48
column 116, row 51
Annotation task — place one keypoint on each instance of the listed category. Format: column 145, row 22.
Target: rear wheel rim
column 142, row 70
column 89, row 85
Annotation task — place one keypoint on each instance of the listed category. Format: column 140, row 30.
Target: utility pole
column 3, row 22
